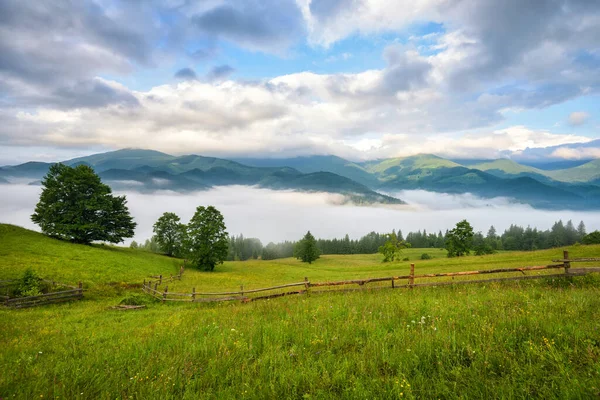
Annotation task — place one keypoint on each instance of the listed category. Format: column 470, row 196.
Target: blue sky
column 361, row 79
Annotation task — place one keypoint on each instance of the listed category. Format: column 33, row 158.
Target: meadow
column 497, row 340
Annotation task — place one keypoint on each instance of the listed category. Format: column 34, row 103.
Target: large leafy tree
column 75, row 205
column 206, row 240
column 392, row 248
column 307, row 249
column 460, row 239
column 169, row 233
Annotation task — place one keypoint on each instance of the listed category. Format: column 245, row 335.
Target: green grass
column 70, row 263
column 528, row 339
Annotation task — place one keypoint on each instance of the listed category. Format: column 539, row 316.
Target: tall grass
column 528, row 339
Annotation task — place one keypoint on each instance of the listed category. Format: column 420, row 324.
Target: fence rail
column 74, row 293
column 151, row 288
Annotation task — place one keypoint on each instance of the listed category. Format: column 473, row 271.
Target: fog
column 286, row 215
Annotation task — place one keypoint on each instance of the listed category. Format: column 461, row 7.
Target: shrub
column 426, row 256
column 30, row 284
column 406, row 259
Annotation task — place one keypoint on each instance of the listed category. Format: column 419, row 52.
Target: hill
column 69, row 263
column 147, row 170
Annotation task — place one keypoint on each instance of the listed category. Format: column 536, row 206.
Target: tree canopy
column 460, row 239
column 206, row 240
column 307, row 249
column 392, row 248
column 169, row 233
column 75, row 205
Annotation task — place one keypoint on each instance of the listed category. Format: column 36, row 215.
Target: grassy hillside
column 69, row 263
column 387, row 168
column 528, row 339
column 507, row 166
column 584, row 173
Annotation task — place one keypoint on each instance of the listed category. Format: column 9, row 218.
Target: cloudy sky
column 360, row 79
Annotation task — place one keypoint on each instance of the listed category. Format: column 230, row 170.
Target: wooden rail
column 245, row 295
column 75, row 293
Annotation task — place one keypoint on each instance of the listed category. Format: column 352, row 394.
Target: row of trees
column 203, row 241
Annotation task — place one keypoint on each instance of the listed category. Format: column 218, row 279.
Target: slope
column 66, row 262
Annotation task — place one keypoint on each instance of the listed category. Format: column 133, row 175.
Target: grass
column 96, row 266
column 529, row 339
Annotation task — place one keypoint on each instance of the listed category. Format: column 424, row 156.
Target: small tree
column 460, row 239
column 307, row 249
column 75, row 205
column 591, row 238
column 392, row 248
column 206, row 241
column 169, row 233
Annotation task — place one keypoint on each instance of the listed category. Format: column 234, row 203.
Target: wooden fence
column 73, row 293
column 395, row 282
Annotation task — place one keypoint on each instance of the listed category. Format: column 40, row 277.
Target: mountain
column 31, row 169
column 310, row 164
column 122, row 159
column 148, row 170
column 587, row 172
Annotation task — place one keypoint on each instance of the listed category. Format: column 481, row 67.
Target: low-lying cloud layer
column 284, row 215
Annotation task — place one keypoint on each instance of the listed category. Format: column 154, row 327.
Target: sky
column 361, row 79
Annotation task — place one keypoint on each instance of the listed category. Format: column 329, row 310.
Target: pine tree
column 306, row 249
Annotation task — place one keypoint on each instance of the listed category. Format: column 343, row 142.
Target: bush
column 426, row 256
column 406, row 259
column 30, row 284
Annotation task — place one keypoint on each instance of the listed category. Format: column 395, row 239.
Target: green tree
column 169, row 233
column 392, row 248
column 75, row 205
column 306, row 249
column 591, row 238
column 206, row 238
column 460, row 239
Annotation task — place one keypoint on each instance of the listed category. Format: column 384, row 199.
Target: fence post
column 242, row 291
column 193, row 294
column 80, row 293
column 165, row 294
column 160, row 282
column 306, row 284
column 567, row 263
column 392, row 283
column 411, row 280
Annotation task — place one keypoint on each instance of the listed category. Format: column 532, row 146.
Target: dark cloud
column 220, row 72
column 51, row 51
column 185, row 74
column 256, row 24
column 93, row 93
column 325, row 9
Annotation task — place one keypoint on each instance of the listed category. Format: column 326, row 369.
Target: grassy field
column 529, row 339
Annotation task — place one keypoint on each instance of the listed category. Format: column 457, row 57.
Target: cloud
column 577, row 153
column 578, row 118
column 185, row 74
column 220, row 72
column 257, row 25
column 286, row 215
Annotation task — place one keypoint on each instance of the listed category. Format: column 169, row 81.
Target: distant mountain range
column 577, row 187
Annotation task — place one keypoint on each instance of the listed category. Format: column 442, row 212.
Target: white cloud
column 576, row 153
column 578, row 118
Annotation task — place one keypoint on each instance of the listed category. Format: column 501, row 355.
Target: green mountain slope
column 391, row 168
column 123, row 159
column 587, row 172
column 507, row 166
column 65, row 262
column 310, row 164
